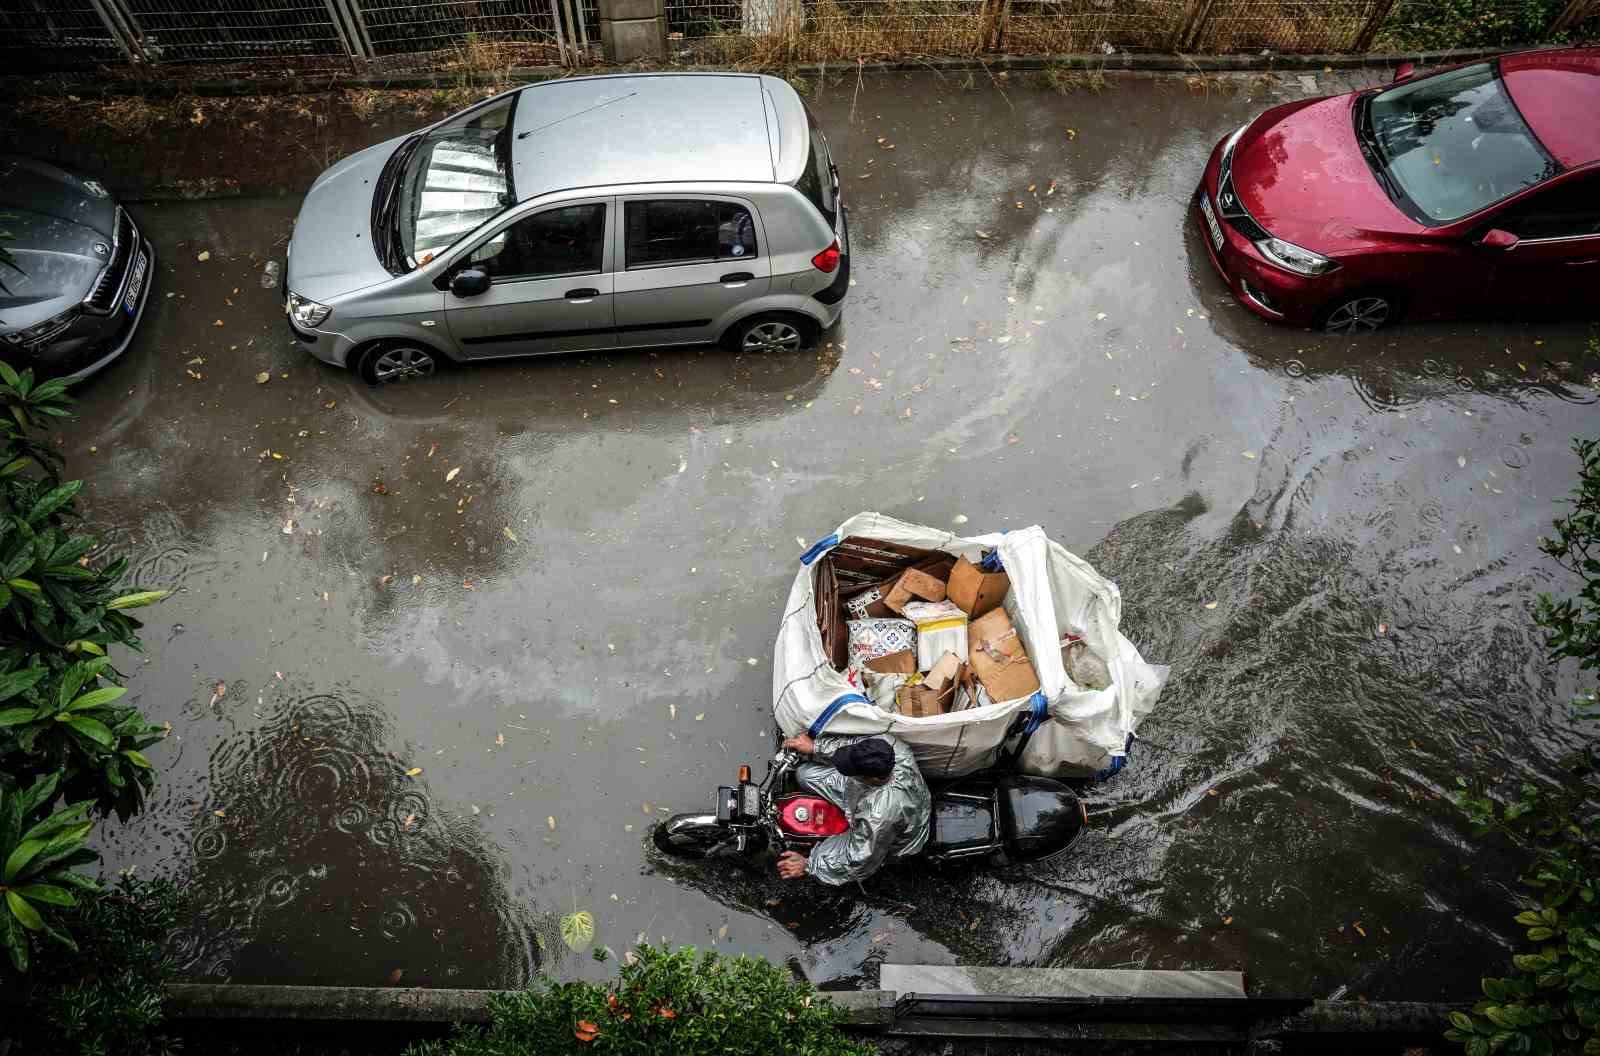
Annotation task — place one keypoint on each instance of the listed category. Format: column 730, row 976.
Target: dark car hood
column 61, row 235
column 1300, row 172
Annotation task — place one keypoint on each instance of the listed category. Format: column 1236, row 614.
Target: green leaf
column 18, row 716
column 39, row 793
column 26, row 915
column 53, row 500
column 59, row 821
column 15, row 466
column 20, row 856
column 134, row 601
column 1539, row 934
column 96, row 698
column 26, row 587
column 1461, row 1021
column 1529, row 918
column 20, row 681
column 577, row 929
column 86, row 646
column 9, row 375
column 93, row 729
column 46, row 893
column 138, row 759
column 14, row 941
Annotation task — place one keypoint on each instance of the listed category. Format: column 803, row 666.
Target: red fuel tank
column 810, row 816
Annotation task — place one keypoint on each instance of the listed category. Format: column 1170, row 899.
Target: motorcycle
column 1019, row 817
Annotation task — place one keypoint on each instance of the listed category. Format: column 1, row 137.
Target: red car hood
column 1300, row 172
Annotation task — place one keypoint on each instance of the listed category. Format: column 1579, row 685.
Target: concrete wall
column 633, row 29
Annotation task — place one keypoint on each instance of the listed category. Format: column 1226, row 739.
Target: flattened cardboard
column 999, row 658
column 902, row 663
column 912, row 584
column 976, row 591
column 945, row 672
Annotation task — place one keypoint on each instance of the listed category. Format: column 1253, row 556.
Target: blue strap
column 1117, row 762
column 1036, row 717
column 818, row 548
column 833, row 709
column 990, row 562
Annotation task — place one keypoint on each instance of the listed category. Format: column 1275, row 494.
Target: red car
column 1474, row 189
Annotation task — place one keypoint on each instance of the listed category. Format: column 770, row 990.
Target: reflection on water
column 319, row 858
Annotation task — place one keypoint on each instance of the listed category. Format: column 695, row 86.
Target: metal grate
column 226, row 30
column 38, row 35
column 485, row 34
column 1284, row 25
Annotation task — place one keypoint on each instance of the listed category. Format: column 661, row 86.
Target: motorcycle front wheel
column 696, row 836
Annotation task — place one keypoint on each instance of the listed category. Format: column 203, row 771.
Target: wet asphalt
column 441, row 653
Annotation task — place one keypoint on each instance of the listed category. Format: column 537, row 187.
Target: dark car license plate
column 130, row 300
column 1211, row 220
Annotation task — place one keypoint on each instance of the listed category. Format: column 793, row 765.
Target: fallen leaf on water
column 331, row 404
column 1461, row 460
column 261, row 378
column 722, row 932
column 551, row 821
column 509, row 534
column 288, row 526
column 630, row 958
column 1362, row 931
column 1031, row 187
column 1211, row 604
column 1227, row 920
column 500, row 740
column 1211, row 791
column 217, row 323
column 411, row 819
column 394, row 976
column 752, row 661
column 416, row 580
column 219, row 813
column 1248, row 454
column 983, row 234
column 1013, row 438
column 414, row 771
column 219, row 691
column 1383, row 628
column 699, row 716
column 577, row 929
column 448, row 477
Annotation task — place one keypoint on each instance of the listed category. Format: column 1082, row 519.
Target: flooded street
column 442, row 652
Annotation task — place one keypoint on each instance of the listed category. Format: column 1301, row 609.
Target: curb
column 1118, row 62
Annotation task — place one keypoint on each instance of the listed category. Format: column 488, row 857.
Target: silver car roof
column 676, row 127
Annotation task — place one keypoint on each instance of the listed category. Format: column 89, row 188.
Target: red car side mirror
column 1498, row 239
column 1406, row 71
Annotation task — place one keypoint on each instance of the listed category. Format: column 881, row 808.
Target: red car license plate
column 1211, row 220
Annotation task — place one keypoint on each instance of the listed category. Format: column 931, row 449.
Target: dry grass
column 1066, row 81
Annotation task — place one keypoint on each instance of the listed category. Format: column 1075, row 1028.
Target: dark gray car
column 75, row 275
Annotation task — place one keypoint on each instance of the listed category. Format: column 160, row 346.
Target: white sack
column 1053, row 592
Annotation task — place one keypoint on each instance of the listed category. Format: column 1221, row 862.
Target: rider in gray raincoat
column 875, row 781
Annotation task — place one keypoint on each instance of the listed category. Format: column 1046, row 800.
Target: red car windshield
column 1455, row 143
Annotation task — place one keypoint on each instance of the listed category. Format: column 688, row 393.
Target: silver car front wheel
column 775, row 335
column 1359, row 315
column 399, row 363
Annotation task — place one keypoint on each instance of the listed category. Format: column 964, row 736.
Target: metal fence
column 266, row 38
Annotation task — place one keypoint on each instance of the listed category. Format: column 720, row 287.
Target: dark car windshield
column 1455, row 143
column 456, row 177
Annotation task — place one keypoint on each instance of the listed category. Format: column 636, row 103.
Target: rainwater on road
column 441, row 653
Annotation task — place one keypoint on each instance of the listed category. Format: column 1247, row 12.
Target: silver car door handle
column 736, row 278
column 583, row 295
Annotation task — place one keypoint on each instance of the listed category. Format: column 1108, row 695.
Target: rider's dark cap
column 869, row 758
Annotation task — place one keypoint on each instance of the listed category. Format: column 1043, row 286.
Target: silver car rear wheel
column 774, row 335
column 1359, row 315
column 400, row 362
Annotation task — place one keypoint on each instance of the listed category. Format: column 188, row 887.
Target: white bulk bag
column 1077, row 731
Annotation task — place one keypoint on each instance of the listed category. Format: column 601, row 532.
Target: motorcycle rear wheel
column 693, row 836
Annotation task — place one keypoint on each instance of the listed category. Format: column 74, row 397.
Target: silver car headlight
column 1291, row 257
column 306, row 312
column 45, row 332
column 1233, row 141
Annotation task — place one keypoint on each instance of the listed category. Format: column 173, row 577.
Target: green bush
column 60, row 611
column 1551, row 1001
column 104, row 998
column 680, row 1003
column 1468, row 24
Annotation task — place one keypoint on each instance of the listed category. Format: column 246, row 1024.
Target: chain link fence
column 263, row 38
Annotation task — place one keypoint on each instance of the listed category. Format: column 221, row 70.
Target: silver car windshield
column 1456, row 143
column 458, row 177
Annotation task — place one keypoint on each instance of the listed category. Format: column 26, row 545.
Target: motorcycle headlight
column 1291, row 257
column 45, row 332
column 306, row 312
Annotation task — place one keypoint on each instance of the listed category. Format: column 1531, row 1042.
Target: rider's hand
column 791, row 866
column 802, row 744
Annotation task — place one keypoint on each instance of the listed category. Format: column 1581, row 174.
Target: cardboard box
column 935, row 693
column 902, row 663
column 976, row 591
column 999, row 658
column 912, row 584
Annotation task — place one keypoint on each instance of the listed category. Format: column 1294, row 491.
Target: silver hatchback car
column 576, row 215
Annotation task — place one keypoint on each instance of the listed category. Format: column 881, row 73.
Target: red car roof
column 1558, row 93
